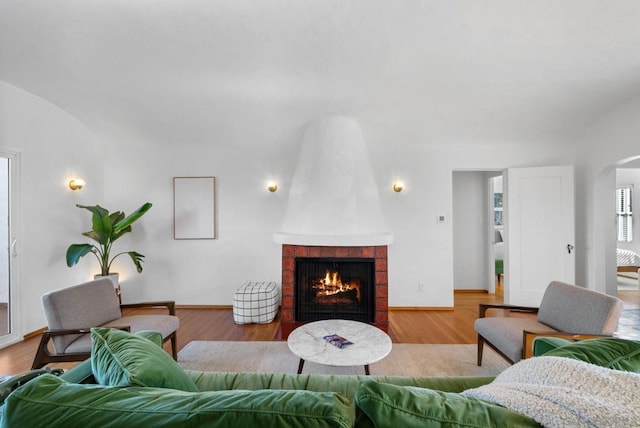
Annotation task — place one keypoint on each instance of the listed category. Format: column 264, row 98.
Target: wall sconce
column 398, row 186
column 272, row 186
column 76, row 184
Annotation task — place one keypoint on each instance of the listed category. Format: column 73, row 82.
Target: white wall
column 470, row 231
column 208, row 272
column 53, row 147
column 195, row 271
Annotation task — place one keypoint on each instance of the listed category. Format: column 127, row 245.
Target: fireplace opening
column 331, row 288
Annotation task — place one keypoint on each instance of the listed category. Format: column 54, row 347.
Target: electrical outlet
column 420, row 287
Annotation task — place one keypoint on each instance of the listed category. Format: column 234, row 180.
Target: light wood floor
column 405, row 326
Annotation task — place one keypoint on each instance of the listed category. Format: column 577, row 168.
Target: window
column 624, row 213
column 497, row 209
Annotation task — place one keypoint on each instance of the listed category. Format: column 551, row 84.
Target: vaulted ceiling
column 251, row 71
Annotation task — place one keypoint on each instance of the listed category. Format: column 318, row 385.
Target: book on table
column 337, row 340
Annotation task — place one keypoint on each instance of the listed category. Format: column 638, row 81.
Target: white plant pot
column 114, row 277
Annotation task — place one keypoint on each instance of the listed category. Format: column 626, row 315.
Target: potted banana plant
column 106, row 229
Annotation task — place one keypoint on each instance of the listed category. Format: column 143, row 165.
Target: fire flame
column 332, row 284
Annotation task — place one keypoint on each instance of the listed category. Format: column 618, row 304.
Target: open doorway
column 627, row 231
column 538, row 237
column 9, row 292
column 5, row 312
column 474, row 232
column 496, row 195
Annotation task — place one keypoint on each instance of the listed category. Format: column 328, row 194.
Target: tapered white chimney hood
column 333, row 199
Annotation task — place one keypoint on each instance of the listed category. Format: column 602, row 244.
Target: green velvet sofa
column 127, row 382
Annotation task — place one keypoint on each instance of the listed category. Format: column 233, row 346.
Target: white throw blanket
column 562, row 392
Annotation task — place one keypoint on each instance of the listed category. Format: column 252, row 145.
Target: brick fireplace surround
column 289, row 254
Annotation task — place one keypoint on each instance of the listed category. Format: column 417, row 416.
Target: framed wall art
column 194, row 208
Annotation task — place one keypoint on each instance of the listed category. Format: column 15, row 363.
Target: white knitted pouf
column 255, row 302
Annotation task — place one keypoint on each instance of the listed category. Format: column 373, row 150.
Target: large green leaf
column 126, row 222
column 116, row 217
column 76, row 251
column 102, row 225
column 137, row 259
column 99, row 237
column 121, row 232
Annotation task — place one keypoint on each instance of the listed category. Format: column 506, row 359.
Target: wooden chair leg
column 174, row 346
column 41, row 358
column 480, row 349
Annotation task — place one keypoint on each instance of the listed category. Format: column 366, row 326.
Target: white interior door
column 539, row 231
column 10, row 331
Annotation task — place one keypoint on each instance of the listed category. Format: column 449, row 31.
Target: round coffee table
column 370, row 344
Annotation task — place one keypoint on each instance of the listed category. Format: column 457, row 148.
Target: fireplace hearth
column 333, row 282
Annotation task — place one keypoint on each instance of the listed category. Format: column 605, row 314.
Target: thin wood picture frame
column 194, row 208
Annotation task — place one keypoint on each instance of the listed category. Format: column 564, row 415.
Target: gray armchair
column 72, row 311
column 566, row 311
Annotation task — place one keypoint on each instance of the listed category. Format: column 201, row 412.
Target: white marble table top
column 370, row 344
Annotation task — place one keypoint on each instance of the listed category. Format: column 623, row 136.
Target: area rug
column 404, row 360
column 629, row 324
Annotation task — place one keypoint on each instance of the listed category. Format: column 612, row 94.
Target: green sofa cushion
column 386, row 405
column 154, row 336
column 544, row 344
column 119, row 358
column 610, row 352
column 49, row 401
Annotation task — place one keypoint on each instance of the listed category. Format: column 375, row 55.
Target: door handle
column 13, row 247
column 569, row 248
